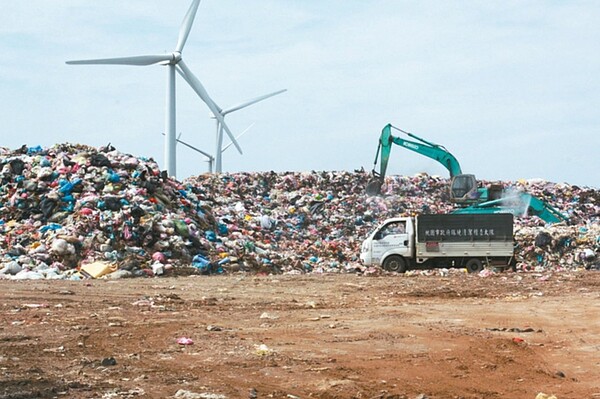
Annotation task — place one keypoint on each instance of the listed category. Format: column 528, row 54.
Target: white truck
column 446, row 240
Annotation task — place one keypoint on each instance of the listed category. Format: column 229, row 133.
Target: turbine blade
column 250, row 102
column 201, row 91
column 238, row 136
column 186, row 25
column 231, row 137
column 207, row 155
column 183, row 75
column 197, row 86
column 136, row 60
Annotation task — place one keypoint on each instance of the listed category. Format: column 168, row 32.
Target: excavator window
column 462, row 185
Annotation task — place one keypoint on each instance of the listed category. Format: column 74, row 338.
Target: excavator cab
column 463, row 189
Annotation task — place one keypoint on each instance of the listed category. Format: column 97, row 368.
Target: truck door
column 392, row 236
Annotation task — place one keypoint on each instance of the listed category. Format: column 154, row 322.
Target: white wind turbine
column 219, row 150
column 221, row 118
column 172, row 61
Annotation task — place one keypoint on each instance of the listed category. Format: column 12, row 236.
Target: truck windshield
column 393, row 228
column 373, row 231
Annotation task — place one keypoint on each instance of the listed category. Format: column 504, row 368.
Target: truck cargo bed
column 465, row 228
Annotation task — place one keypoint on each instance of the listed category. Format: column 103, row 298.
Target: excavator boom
column 421, row 146
column 463, row 186
column 519, row 204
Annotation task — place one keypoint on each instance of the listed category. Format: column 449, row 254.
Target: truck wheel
column 474, row 265
column 395, row 263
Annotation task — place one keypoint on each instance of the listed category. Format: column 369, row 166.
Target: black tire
column 474, row 265
column 395, row 263
column 513, row 264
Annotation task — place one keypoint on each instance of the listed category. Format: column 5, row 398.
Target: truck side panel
column 477, row 249
column 464, row 228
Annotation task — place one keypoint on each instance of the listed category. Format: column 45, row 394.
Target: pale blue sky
column 511, row 88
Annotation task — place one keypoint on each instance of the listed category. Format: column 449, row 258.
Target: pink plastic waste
column 185, row 341
column 159, row 256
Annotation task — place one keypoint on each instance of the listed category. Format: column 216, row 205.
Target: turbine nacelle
column 176, row 57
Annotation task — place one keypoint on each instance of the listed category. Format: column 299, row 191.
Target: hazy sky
column 511, row 88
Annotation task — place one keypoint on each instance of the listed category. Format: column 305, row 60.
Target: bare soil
column 509, row 335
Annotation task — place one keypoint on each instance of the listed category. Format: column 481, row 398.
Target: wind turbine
column 171, row 60
column 219, row 150
column 220, row 119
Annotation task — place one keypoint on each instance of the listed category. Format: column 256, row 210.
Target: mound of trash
column 73, row 211
column 316, row 221
column 70, row 206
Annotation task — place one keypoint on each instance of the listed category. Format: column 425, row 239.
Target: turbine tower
column 172, row 60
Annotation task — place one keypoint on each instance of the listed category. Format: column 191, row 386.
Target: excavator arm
column 423, row 147
column 465, row 184
column 519, row 204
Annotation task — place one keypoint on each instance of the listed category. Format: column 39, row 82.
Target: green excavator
column 464, row 189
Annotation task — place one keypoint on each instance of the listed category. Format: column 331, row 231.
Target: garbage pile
column 315, row 221
column 68, row 207
column 561, row 246
column 74, row 211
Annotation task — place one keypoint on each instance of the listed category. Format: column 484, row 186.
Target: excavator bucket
column 374, row 185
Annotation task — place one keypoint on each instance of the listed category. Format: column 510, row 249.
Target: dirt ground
column 509, row 335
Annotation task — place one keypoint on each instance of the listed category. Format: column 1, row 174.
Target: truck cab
column 441, row 240
column 392, row 237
